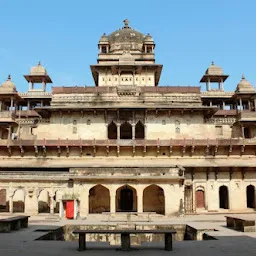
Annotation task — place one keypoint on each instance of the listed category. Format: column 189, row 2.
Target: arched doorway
column 19, row 200
column 139, row 131
column 4, row 203
column 223, row 197
column 99, row 199
column 44, row 202
column 112, row 131
column 153, row 199
column 250, row 196
column 126, row 131
column 200, row 198
column 126, row 199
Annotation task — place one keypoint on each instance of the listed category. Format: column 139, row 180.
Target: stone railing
column 7, row 114
column 130, row 143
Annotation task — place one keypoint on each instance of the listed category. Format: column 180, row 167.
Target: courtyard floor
column 229, row 242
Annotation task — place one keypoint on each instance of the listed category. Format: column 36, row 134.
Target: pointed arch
column 126, row 131
column 139, row 130
column 112, row 131
column 44, row 201
column 19, row 200
column 126, row 199
column 99, row 199
column 154, row 199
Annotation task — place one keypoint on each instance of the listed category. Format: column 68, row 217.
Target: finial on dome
column 212, row 63
column 243, row 77
column 9, row 78
column 126, row 23
column 39, row 63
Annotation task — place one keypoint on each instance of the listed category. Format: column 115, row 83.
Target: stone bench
column 125, row 237
column 13, row 223
column 240, row 224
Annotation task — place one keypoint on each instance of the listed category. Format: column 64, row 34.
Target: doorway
column 250, row 196
column 223, row 197
column 200, row 201
column 126, row 199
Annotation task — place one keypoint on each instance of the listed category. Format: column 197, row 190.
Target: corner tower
column 126, row 58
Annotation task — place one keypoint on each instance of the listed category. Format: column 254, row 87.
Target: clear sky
column 63, row 35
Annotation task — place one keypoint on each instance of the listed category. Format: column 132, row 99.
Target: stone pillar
column 145, row 131
column 11, row 107
column 0, row 105
column 241, row 104
column 208, row 85
column 118, row 131
column 249, row 105
column 28, row 106
column 221, row 84
column 9, row 132
column 51, row 204
column 223, row 105
column 30, row 86
column 11, row 204
column 44, row 86
column 140, row 200
column 112, row 202
column 133, row 131
column 242, row 131
column 254, row 104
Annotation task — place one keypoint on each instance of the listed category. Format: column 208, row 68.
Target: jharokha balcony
column 138, row 147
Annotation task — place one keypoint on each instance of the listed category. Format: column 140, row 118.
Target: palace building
column 127, row 144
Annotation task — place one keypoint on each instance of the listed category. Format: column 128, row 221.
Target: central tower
column 126, row 58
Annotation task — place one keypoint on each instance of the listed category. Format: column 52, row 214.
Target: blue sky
column 63, row 35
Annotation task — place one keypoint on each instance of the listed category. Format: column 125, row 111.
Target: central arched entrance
column 99, row 199
column 126, row 199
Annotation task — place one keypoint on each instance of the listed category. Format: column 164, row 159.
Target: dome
column 214, row 70
column 38, row 70
column 8, row 84
column 104, row 39
column 244, row 86
column 148, row 39
column 126, row 39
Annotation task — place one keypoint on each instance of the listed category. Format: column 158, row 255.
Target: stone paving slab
column 230, row 242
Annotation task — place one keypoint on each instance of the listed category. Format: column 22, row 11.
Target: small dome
column 104, row 39
column 214, row 70
column 244, row 86
column 8, row 84
column 38, row 70
column 148, row 39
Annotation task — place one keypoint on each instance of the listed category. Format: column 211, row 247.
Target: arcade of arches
column 160, row 199
column 126, row 131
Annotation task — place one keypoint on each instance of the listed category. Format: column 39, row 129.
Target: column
column 118, row 131
column 28, row 106
column 223, row 105
column 0, row 105
column 221, row 84
column 113, row 202
column 11, row 204
column 133, row 131
column 241, row 104
column 249, row 105
column 208, row 85
column 254, row 104
column 44, row 86
column 9, row 132
column 140, row 200
column 51, row 204
column 30, row 86
column 242, row 131
column 11, row 107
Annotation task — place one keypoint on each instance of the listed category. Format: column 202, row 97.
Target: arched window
column 125, row 131
column 112, row 131
column 139, row 131
column 250, row 196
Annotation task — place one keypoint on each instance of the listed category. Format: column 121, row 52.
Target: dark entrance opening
column 125, row 131
column 250, row 195
column 112, row 131
column 126, row 200
column 247, row 134
column 139, row 131
column 223, row 196
column 200, row 202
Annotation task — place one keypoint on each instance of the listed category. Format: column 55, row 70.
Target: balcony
column 7, row 116
column 246, row 116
